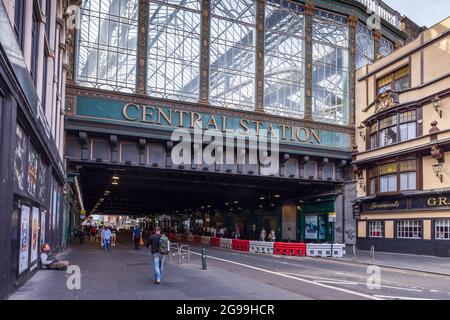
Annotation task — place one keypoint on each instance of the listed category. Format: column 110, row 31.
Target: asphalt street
column 124, row 273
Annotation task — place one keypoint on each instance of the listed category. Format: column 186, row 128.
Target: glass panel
column 365, row 47
column 385, row 47
column 284, row 74
column 388, row 136
column 408, row 131
column 388, row 183
column 174, row 50
column 108, row 44
column 403, row 72
column 402, row 84
column 388, row 122
column 373, row 127
column 232, row 53
column 408, row 181
column 410, row 165
column 373, row 186
column 385, row 81
column 442, row 229
column 408, row 116
column 330, row 78
column 388, row 168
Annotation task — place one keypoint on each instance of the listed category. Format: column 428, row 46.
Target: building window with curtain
column 233, row 54
column 174, row 49
column 107, row 50
column 284, row 59
column 365, row 46
column 330, row 80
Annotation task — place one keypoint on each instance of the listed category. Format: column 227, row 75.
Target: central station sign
column 173, row 118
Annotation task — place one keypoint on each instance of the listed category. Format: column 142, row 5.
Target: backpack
column 164, row 245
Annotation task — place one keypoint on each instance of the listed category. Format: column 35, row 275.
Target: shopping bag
column 141, row 242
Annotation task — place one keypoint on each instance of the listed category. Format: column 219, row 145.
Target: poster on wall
column 311, row 227
column 54, row 212
column 35, row 235
column 24, row 238
column 43, row 227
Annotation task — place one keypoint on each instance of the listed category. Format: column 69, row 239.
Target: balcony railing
column 384, row 11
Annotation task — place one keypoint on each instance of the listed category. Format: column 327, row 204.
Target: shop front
column 413, row 224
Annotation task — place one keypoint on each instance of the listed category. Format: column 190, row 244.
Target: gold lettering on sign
column 125, row 111
column 384, row 205
column 188, row 119
column 432, row 202
column 168, row 118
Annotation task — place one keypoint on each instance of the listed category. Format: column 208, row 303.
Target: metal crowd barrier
column 181, row 252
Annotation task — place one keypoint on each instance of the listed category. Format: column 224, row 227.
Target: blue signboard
column 166, row 118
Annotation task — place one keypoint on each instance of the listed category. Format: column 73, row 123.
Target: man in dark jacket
column 158, row 258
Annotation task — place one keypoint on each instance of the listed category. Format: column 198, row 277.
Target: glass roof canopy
column 107, row 54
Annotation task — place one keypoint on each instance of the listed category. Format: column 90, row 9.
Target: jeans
column 106, row 244
column 158, row 265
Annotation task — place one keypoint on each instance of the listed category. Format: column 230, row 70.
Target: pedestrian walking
column 272, row 236
column 237, row 232
column 262, row 235
column 106, row 238
column 113, row 236
column 160, row 247
column 81, row 235
column 137, row 234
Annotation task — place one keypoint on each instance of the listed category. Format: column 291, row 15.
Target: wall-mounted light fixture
column 436, row 102
column 361, row 181
column 437, row 169
column 362, row 131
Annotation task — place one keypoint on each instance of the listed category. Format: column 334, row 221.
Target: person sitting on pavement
column 54, row 264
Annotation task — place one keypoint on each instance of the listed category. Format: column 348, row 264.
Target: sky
column 424, row 13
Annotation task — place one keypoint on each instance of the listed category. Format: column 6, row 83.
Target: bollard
column 203, row 259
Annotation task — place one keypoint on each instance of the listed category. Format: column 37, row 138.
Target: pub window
column 442, row 229
column 396, row 81
column 388, row 177
column 375, row 229
column 393, row 177
column 408, row 125
column 395, row 128
column 408, row 175
column 373, row 176
column 373, row 135
column 409, row 229
column 388, row 131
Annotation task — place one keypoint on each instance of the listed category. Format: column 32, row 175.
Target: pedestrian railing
column 180, row 252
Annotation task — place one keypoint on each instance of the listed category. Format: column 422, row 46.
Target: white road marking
column 294, row 278
column 337, row 282
column 352, row 282
column 400, row 298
